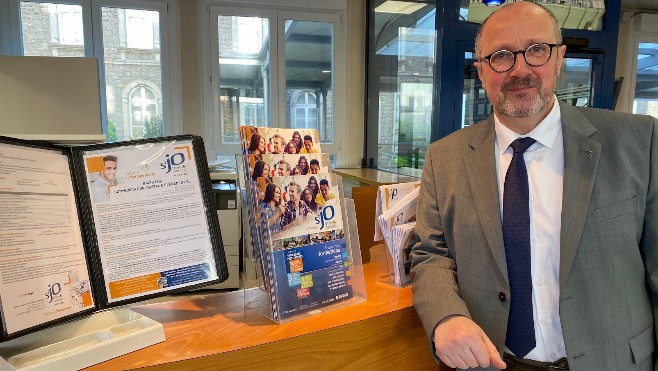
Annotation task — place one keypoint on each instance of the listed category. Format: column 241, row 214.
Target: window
column 64, row 37
column 646, row 79
column 571, row 14
column 144, row 119
column 305, row 109
column 401, row 81
column 65, row 23
column 139, row 29
column 274, row 67
column 135, row 45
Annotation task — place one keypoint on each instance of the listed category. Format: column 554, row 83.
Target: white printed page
column 43, row 271
column 150, row 219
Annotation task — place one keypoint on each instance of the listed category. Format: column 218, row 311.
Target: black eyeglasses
column 535, row 55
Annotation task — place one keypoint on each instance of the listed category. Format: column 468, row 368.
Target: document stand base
column 82, row 343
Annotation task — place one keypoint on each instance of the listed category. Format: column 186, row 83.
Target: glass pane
column 51, row 29
column 572, row 14
column 133, row 73
column 646, row 80
column 574, row 86
column 401, row 81
column 244, row 74
column 309, row 71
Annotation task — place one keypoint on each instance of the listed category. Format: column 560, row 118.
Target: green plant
column 153, row 126
column 111, row 132
column 403, row 160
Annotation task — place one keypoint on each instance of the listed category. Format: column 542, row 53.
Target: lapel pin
column 589, row 153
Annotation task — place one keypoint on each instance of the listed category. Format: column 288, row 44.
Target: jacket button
column 502, row 296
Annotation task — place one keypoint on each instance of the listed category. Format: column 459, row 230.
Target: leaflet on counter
column 92, row 227
column 308, row 261
column 387, row 196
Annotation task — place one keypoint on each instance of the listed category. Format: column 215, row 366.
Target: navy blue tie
column 516, row 235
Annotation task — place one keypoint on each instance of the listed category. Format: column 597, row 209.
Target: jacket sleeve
column 435, row 290
column 649, row 241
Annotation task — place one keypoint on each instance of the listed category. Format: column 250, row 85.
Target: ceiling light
column 492, row 2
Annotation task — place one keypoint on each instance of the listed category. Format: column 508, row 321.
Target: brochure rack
column 396, row 276
column 300, row 276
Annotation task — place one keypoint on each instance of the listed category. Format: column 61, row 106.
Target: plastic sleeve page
column 43, row 269
column 150, row 218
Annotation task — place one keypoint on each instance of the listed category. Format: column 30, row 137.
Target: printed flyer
column 43, row 266
column 149, row 217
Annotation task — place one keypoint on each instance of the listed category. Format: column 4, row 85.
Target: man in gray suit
column 592, row 204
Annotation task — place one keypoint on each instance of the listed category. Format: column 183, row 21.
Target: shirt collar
column 544, row 133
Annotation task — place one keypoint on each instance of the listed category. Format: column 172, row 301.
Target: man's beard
column 523, row 104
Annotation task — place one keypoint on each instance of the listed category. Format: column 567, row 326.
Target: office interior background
column 379, row 79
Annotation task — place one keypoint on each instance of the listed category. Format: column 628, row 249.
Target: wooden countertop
column 214, row 331
column 366, row 176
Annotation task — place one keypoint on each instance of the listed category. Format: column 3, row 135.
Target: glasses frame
column 520, row 51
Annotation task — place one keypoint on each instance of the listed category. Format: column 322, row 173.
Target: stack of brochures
column 395, row 213
column 296, row 217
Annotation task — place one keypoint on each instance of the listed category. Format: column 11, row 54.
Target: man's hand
column 460, row 343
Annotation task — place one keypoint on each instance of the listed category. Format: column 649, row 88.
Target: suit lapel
column 581, row 158
column 480, row 169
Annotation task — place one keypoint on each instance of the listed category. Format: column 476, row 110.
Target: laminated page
column 44, row 276
column 150, row 217
column 387, row 196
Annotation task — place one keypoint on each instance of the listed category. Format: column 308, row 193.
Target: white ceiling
column 640, row 4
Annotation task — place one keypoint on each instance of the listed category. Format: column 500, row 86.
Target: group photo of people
column 288, row 201
column 269, row 165
column 260, row 141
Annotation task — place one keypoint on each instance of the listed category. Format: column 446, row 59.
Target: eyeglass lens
column 536, row 55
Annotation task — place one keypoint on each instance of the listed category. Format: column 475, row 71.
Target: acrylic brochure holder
column 81, row 343
column 395, row 216
column 300, row 274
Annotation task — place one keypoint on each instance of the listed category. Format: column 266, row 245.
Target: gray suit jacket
column 608, row 242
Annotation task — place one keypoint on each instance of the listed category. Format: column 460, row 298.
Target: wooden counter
column 212, row 332
column 365, row 176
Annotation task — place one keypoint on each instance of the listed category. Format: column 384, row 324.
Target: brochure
column 86, row 228
column 387, row 196
column 264, row 140
column 309, row 262
column 267, row 165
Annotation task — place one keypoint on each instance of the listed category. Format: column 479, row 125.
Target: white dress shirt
column 545, row 164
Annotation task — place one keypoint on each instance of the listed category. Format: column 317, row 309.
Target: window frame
column 637, row 38
column 11, row 44
column 310, row 10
